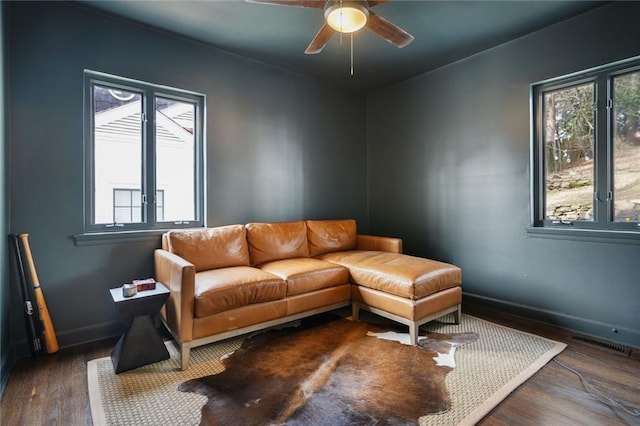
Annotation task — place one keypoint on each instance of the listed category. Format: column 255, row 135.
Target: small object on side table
column 146, row 284
column 129, row 290
column 141, row 344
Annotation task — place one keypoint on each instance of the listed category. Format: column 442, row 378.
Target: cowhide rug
column 334, row 373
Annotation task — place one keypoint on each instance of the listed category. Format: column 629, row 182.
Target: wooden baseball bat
column 48, row 332
column 31, row 316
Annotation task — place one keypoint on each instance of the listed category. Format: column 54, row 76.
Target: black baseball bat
column 31, row 315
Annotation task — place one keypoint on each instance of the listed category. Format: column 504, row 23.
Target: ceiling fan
column 347, row 17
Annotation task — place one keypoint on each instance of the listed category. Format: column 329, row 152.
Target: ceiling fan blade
column 319, row 41
column 374, row 3
column 388, row 31
column 316, row 4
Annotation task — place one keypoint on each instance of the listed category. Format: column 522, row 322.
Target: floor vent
column 603, row 344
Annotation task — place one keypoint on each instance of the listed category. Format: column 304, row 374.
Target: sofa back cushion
column 326, row 236
column 275, row 241
column 211, row 248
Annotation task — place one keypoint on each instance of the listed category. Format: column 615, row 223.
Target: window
column 127, row 205
column 144, row 155
column 586, row 150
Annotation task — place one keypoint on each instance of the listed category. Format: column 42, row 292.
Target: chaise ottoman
column 407, row 289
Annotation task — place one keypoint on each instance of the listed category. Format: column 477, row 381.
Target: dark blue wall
column 458, row 142
column 279, row 146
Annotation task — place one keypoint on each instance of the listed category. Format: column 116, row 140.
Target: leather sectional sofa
column 235, row 279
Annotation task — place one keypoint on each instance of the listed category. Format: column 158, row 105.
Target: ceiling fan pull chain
column 341, row 33
column 351, row 53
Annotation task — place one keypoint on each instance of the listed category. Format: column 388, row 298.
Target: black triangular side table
column 141, row 344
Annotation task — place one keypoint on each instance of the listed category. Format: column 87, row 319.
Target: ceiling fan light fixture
column 346, row 16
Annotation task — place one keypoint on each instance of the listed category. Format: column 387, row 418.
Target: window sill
column 592, row 235
column 98, row 238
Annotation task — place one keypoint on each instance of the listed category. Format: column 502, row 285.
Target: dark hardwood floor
column 557, row 396
column 52, row 390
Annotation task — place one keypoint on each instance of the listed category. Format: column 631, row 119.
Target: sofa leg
column 414, row 329
column 185, row 352
column 458, row 314
column 355, row 311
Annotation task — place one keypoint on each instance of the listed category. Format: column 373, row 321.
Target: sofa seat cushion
column 400, row 274
column 305, row 274
column 221, row 289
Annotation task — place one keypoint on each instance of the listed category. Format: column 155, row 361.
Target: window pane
column 626, row 179
column 568, row 120
column 122, row 198
column 122, row 214
column 127, row 206
column 135, row 214
column 175, row 158
column 160, row 198
column 160, row 206
column 117, row 150
column 136, row 198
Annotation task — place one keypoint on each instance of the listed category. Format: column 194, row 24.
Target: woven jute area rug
column 486, row 371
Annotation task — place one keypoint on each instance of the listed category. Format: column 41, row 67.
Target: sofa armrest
column 179, row 277
column 372, row 242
